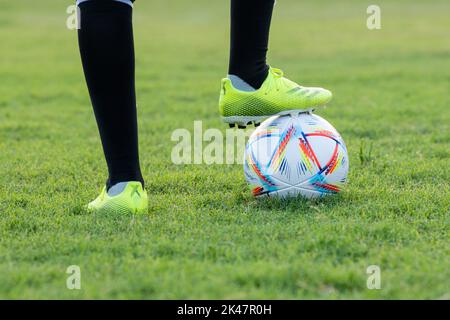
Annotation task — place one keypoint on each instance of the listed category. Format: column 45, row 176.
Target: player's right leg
column 253, row 91
column 107, row 53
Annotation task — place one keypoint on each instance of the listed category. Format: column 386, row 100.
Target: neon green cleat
column 277, row 95
column 133, row 199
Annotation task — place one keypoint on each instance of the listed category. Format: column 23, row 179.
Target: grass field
column 205, row 236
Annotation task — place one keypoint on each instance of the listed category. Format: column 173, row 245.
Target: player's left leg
column 254, row 91
column 107, row 52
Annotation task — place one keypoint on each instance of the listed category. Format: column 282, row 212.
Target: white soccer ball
column 293, row 155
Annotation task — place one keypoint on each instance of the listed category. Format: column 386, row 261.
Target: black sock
column 250, row 26
column 107, row 52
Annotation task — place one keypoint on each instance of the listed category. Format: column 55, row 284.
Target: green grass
column 205, row 236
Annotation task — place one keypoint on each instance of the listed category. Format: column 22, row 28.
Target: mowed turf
column 205, row 236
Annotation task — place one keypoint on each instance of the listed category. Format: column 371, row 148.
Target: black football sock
column 107, row 53
column 250, row 26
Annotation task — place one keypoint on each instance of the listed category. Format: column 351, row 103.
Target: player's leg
column 253, row 91
column 250, row 26
column 107, row 52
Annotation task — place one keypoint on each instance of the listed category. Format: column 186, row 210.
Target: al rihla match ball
column 298, row 154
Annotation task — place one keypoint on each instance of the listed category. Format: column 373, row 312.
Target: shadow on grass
column 296, row 204
column 118, row 219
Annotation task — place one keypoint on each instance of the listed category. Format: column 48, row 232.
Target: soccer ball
column 299, row 154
